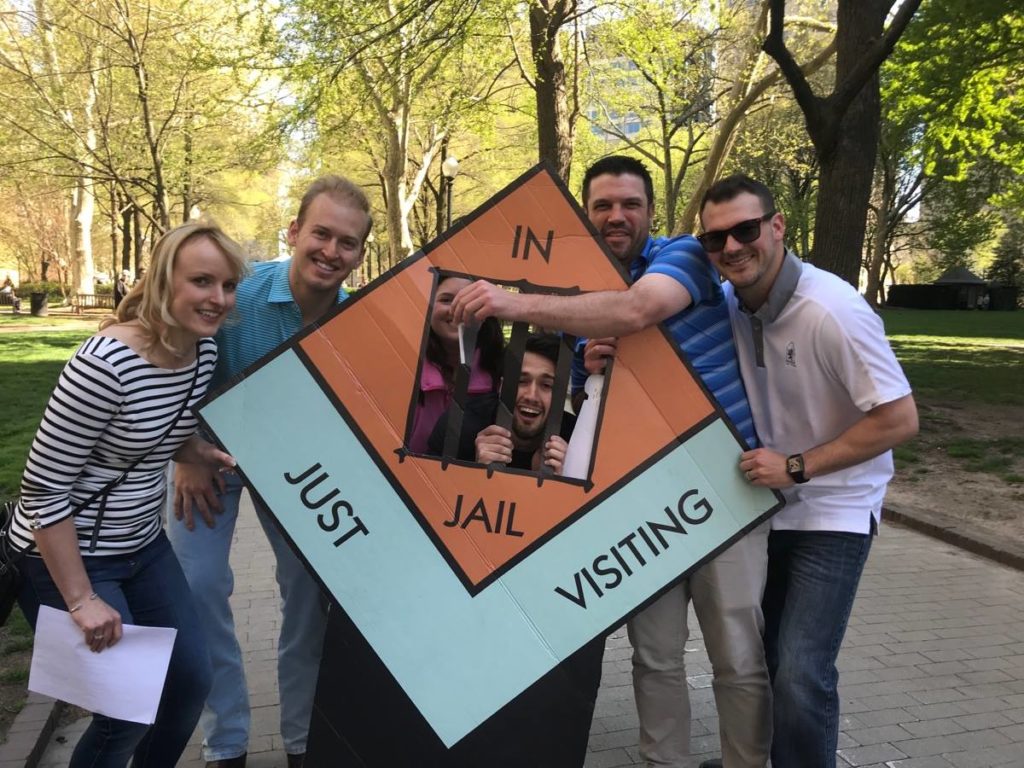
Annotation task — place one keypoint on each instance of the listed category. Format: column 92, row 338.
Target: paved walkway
column 932, row 670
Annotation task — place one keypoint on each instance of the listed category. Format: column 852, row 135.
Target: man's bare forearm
column 650, row 300
column 881, row 429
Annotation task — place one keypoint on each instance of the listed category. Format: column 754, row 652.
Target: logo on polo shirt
column 791, row 355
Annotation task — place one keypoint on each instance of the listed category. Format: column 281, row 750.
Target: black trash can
column 40, row 304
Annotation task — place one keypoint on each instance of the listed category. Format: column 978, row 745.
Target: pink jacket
column 436, row 397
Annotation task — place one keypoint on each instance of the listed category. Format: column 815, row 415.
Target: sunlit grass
column 961, row 356
column 996, row 326
column 30, row 362
column 86, row 322
column 996, row 456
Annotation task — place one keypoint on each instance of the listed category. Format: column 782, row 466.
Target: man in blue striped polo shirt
column 673, row 283
column 328, row 238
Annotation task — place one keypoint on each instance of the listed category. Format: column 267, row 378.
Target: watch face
column 794, row 464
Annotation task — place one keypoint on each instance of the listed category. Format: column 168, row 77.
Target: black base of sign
column 363, row 719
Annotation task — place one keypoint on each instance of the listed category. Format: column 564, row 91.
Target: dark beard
column 527, row 441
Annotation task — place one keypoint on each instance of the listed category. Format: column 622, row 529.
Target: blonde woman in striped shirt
column 89, row 520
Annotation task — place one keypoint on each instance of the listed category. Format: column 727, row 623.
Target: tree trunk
column 847, row 169
column 880, row 237
column 161, row 213
column 126, row 236
column 668, row 175
column 187, row 198
column 554, row 124
column 400, row 194
column 399, row 240
column 844, row 126
column 444, row 193
column 82, row 196
column 137, row 239
column 728, row 130
column 83, row 273
column 82, row 268
column 113, row 220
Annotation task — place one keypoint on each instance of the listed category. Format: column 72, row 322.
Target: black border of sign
column 475, row 589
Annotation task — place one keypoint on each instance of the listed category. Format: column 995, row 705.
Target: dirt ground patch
column 941, row 469
column 64, row 322
column 13, row 683
column 15, row 659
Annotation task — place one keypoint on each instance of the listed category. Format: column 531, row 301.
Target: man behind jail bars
column 522, row 445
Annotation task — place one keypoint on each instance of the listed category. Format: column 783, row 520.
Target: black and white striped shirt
column 110, row 407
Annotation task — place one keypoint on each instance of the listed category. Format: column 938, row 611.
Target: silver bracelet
column 93, row 596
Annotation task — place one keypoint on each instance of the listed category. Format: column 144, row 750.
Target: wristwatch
column 795, row 468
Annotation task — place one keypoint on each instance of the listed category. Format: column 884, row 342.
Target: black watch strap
column 795, row 468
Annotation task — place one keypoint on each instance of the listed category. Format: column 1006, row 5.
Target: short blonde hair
column 342, row 190
column 149, row 300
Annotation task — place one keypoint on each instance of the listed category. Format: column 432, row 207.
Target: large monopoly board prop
column 469, row 582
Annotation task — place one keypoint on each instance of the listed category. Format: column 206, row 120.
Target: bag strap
column 106, row 489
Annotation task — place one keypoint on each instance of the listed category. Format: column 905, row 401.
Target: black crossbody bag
column 10, row 576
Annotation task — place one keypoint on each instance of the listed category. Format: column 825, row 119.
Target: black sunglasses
column 745, row 232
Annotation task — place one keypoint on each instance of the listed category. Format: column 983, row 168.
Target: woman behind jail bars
column 437, row 378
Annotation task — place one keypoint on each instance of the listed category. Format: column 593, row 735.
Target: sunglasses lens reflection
column 745, row 232
column 712, row 241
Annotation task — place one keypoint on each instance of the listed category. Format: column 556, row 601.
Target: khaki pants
column 726, row 594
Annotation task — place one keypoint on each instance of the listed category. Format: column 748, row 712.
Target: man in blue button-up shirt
column 328, row 238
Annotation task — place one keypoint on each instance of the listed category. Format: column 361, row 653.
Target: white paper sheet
column 123, row 682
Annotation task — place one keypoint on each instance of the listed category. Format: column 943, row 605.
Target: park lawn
column 960, row 356
column 30, row 362
column 961, row 359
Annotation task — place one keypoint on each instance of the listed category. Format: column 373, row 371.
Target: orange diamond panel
column 372, row 373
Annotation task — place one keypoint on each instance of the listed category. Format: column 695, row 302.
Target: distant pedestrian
column 121, row 287
column 8, row 290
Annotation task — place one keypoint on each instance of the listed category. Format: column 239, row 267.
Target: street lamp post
column 370, row 247
column 449, row 169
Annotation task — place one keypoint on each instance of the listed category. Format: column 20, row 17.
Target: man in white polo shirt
column 829, row 403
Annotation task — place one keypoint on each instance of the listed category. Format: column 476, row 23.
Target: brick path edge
column 960, row 533
column 30, row 732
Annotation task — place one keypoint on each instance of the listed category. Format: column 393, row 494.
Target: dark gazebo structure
column 957, row 288
column 970, row 289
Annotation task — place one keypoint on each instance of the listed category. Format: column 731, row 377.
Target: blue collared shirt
column 265, row 316
column 702, row 330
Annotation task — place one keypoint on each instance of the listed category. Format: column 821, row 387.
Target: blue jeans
column 147, row 588
column 812, row 581
column 204, row 558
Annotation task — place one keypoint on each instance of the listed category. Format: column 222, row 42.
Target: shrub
column 51, row 288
